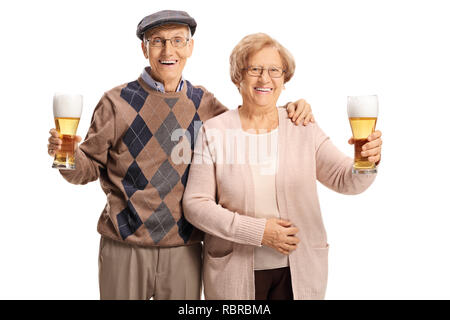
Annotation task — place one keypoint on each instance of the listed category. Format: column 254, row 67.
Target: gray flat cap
column 165, row 17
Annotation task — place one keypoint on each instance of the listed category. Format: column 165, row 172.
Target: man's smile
column 168, row 62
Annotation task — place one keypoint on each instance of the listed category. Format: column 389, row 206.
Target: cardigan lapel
column 279, row 177
column 246, row 174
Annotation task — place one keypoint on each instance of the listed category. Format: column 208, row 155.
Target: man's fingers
column 54, row 133
column 290, row 109
column 351, row 141
column 78, row 139
column 302, row 110
column 300, row 117
column 55, row 141
column 51, row 150
column 308, row 119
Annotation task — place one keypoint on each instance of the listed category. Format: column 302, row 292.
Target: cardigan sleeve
column 200, row 206
column 334, row 169
column 92, row 154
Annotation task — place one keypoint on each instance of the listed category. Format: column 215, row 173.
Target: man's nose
column 167, row 48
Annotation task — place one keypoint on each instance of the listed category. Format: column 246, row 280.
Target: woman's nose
column 264, row 76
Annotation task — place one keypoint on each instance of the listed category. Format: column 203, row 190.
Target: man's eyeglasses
column 274, row 72
column 177, row 42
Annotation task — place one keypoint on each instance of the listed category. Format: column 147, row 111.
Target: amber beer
column 362, row 114
column 67, row 112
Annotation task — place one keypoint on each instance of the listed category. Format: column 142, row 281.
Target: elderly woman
column 252, row 186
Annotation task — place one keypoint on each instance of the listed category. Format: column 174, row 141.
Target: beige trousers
column 140, row 273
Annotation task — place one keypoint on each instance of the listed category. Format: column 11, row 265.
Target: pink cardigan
column 219, row 200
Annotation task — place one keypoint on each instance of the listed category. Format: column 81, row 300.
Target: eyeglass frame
column 164, row 40
column 262, row 71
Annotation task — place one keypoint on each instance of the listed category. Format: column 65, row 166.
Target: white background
column 391, row 242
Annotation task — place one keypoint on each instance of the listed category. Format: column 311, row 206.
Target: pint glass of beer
column 67, row 112
column 362, row 113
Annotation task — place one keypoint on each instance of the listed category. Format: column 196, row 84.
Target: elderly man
column 133, row 145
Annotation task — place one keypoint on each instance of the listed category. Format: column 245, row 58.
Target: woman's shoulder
column 225, row 120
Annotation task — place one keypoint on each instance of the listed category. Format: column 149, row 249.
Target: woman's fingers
column 283, row 223
column 288, row 247
column 291, row 231
column 371, row 152
column 292, row 240
column 374, row 135
column 372, row 144
column 375, row 159
column 282, row 251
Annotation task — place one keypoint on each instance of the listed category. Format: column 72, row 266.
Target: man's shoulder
column 192, row 89
column 131, row 87
column 128, row 93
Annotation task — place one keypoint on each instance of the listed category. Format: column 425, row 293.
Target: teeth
column 168, row 61
column 264, row 89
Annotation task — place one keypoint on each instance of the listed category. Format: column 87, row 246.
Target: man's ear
column 144, row 49
column 191, row 47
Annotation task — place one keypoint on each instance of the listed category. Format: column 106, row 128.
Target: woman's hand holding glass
column 372, row 149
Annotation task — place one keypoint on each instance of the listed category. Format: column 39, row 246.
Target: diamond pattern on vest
column 135, row 95
column 166, row 177
column 137, row 136
column 159, row 223
column 128, row 221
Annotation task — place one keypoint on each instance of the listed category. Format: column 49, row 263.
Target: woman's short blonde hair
column 252, row 44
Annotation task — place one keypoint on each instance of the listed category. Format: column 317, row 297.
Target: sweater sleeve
column 92, row 154
column 334, row 169
column 200, row 206
column 218, row 107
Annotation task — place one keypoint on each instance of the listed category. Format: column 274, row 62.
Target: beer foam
column 67, row 105
column 362, row 106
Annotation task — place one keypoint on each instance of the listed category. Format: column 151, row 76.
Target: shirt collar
column 156, row 85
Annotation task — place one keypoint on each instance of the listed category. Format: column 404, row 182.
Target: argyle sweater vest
column 139, row 144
